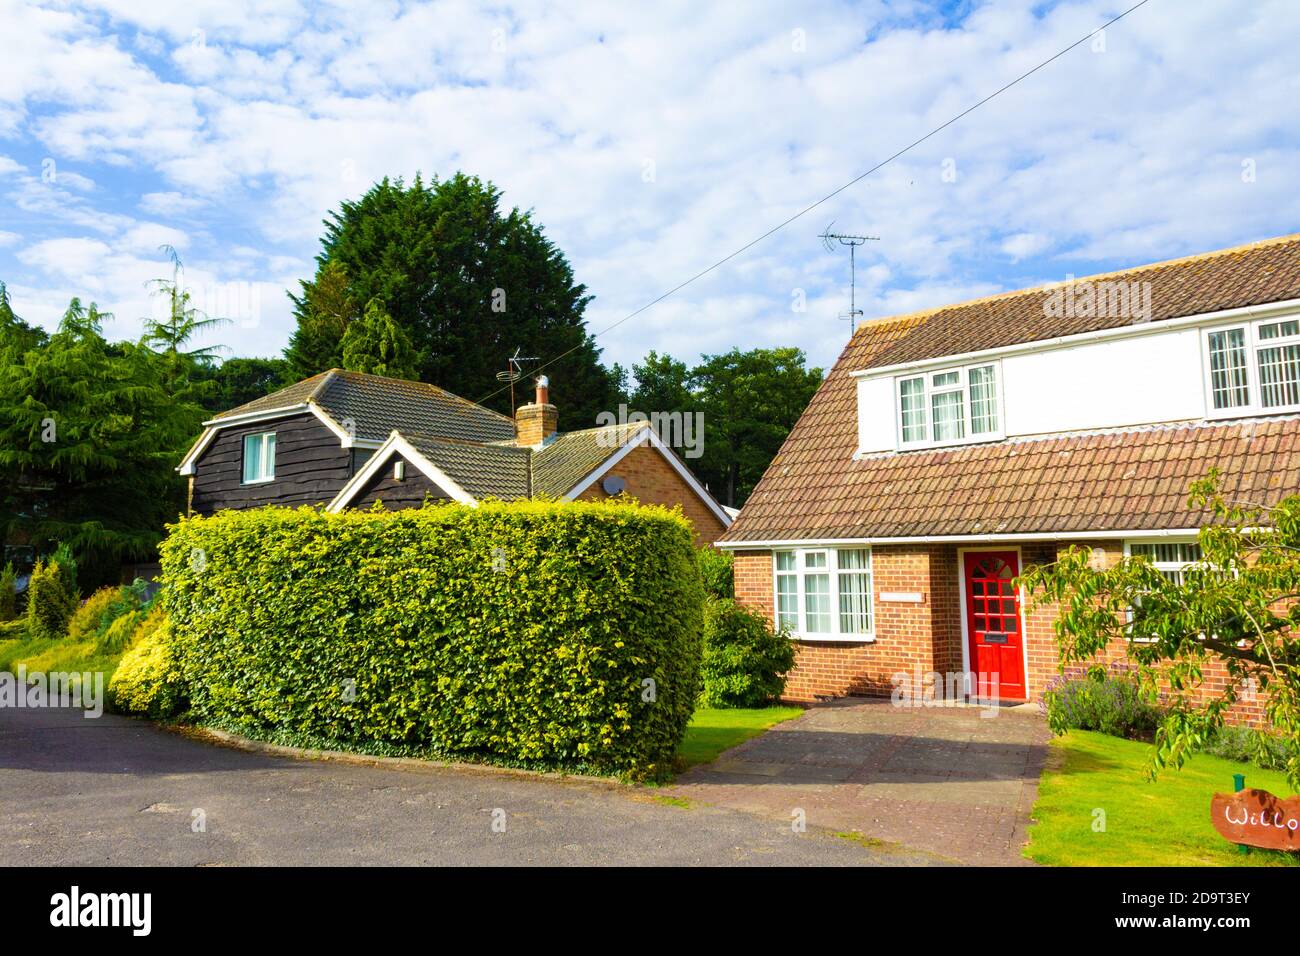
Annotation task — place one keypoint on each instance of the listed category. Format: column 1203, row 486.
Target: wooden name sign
column 1257, row 818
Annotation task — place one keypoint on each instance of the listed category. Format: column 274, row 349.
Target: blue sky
column 648, row 142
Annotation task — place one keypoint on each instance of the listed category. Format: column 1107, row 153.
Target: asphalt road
column 120, row 792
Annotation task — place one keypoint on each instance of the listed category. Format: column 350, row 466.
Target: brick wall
column 926, row 636
column 653, row 481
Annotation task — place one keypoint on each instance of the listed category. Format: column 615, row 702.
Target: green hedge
column 745, row 661
column 536, row 633
column 147, row 682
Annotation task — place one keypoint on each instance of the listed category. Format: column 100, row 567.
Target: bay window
column 1253, row 367
column 949, row 407
column 824, row 594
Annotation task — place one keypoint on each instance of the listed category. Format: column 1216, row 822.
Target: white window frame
column 1162, row 566
column 268, row 461
column 832, row 570
column 1253, row 343
column 968, row 438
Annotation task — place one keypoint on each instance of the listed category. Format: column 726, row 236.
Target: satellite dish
column 614, row 485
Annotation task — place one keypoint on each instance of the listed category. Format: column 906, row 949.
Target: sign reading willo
column 1257, row 818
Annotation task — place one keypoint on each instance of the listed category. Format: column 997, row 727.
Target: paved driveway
column 944, row 780
column 118, row 791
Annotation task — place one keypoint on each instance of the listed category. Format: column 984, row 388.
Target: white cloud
column 238, row 140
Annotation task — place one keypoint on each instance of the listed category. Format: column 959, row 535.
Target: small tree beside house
column 1237, row 608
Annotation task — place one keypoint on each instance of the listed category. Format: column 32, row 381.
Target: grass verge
column 713, row 730
column 1160, row 823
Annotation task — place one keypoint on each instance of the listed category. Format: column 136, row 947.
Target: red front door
column 993, row 624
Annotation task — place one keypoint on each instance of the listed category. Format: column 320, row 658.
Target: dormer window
column 1253, row 368
column 949, row 407
column 259, row 458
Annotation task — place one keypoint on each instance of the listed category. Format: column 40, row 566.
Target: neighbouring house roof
column 484, row 471
column 376, row 405
column 572, row 456
column 1267, row 271
column 1123, row 480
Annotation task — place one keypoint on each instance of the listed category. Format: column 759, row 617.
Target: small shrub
column 8, row 592
column 147, row 681
column 1268, row 751
column 717, row 568
column 1111, row 703
column 51, row 600
column 117, row 637
column 85, row 623
column 745, row 661
column 13, row 630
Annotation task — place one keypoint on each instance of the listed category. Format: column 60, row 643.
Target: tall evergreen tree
column 467, row 281
column 324, row 311
column 377, row 345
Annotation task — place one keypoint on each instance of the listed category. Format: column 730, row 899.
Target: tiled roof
column 1267, row 271
column 559, row 466
column 376, row 405
column 1137, row 479
column 1113, row 481
column 485, row 471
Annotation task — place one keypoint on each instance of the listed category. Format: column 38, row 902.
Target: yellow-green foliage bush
column 51, row 600
column 85, row 622
column 550, row 634
column 117, row 637
column 147, row 681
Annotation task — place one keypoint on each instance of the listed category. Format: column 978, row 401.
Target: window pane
column 1228, row 368
column 817, row 603
column 1280, row 330
column 1279, row 376
column 855, row 591
column 252, row 457
column 785, row 560
column 268, row 457
column 946, row 379
column 787, row 601
column 912, row 402
column 948, row 415
column 814, row 559
column 983, row 401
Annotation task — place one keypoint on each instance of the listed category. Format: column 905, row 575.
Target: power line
column 831, row 195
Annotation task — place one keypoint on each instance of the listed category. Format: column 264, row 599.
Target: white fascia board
column 1223, row 317
column 396, row 444
column 640, row 437
column 957, row 539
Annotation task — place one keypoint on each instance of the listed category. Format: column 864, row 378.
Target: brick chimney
column 537, row 421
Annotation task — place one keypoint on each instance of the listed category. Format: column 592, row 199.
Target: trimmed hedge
column 537, row 633
column 718, row 568
column 745, row 661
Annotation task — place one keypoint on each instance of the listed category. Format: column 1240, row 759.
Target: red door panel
column 993, row 624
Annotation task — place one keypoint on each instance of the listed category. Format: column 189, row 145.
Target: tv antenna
column 829, row 239
column 513, row 373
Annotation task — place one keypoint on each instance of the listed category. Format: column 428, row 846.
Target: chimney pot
column 537, row 422
column 543, row 390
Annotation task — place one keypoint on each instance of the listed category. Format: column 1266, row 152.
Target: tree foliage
column 375, row 344
column 749, row 400
column 468, row 281
column 1237, row 608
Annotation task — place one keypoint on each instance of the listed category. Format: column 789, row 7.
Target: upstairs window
column 259, row 458
column 1254, row 368
column 949, row 407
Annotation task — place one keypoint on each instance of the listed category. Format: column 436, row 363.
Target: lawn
column 55, row 654
column 1165, row 823
column 713, row 730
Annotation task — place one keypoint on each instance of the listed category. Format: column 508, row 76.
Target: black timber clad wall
column 410, row 492
column 310, row 466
